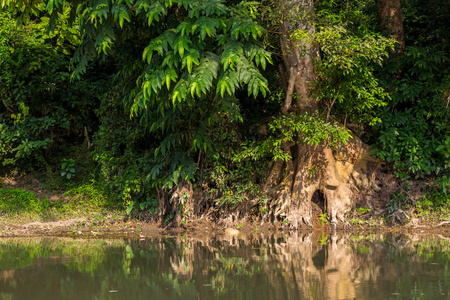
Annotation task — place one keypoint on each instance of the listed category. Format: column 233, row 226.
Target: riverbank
column 29, row 208
column 104, row 225
column 88, row 228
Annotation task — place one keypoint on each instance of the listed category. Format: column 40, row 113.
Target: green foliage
column 179, row 67
column 444, row 184
column 150, row 205
column 181, row 64
column 426, row 22
column 308, row 129
column 22, row 54
column 356, row 222
column 398, row 199
column 89, row 196
column 305, row 129
column 82, row 200
column 236, row 168
column 415, row 131
column 172, row 92
column 194, row 70
column 68, row 168
column 118, row 144
column 130, row 207
column 351, row 51
column 39, row 107
column 16, row 201
column 323, row 218
column 346, row 72
column 363, row 210
column 435, row 198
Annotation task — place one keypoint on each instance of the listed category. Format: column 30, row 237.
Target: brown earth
column 139, row 229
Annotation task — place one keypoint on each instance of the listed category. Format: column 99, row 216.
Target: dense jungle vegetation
column 178, row 107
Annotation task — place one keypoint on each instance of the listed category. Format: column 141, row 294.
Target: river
column 279, row 266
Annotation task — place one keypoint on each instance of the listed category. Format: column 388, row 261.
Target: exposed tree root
column 292, row 185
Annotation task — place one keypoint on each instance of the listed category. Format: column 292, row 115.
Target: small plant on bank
column 398, row 199
column 436, row 199
column 363, row 210
column 323, row 218
column 356, row 221
column 444, row 185
column 68, row 168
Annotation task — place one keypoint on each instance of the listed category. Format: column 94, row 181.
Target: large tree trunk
column 298, row 56
column 391, row 20
column 313, row 171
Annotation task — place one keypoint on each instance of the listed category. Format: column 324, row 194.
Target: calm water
column 299, row 266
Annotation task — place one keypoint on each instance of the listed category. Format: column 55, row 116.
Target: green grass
column 16, row 201
column 434, row 206
column 90, row 197
column 86, row 200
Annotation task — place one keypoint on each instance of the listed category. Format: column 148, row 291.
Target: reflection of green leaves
column 30, row 251
column 130, row 207
column 232, row 271
column 129, row 251
column 363, row 250
column 323, row 240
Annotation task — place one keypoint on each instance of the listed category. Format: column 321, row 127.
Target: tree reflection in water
column 298, row 266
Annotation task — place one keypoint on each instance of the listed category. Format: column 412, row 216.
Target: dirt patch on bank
column 82, row 228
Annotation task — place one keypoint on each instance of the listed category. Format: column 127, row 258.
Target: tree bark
column 292, row 185
column 391, row 20
column 298, row 56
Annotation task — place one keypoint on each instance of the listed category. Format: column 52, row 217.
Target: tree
column 414, row 136
column 35, row 91
column 318, row 165
column 180, row 66
column 391, row 20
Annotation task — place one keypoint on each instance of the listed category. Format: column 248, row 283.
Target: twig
column 442, row 223
column 443, row 237
column 87, row 137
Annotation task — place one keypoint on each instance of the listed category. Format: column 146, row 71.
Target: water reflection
column 298, row 266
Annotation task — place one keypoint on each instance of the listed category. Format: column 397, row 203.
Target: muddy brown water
column 309, row 265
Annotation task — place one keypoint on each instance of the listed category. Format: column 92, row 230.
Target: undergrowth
column 18, row 205
column 16, row 201
column 434, row 205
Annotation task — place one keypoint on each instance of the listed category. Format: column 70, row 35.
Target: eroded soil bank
column 85, row 221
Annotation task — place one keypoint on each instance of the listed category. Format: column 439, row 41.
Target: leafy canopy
column 179, row 66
